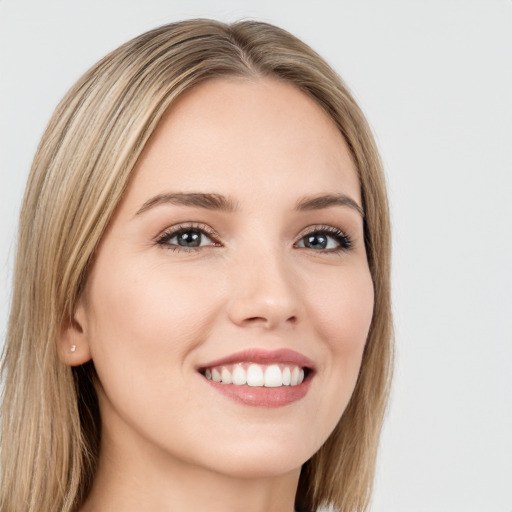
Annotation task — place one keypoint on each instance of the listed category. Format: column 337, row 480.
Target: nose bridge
column 263, row 288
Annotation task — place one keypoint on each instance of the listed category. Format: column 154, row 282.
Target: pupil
column 316, row 241
column 190, row 239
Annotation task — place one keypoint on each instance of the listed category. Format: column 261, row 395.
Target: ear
column 73, row 344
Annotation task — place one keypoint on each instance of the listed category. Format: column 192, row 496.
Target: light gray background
column 435, row 80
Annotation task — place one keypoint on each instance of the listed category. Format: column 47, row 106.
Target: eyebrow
column 211, row 201
column 195, row 199
column 326, row 201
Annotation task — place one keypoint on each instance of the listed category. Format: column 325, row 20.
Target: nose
column 263, row 293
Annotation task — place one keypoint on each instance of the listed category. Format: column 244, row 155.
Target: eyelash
column 168, row 234
column 343, row 240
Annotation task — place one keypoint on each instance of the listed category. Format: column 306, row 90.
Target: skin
column 151, row 314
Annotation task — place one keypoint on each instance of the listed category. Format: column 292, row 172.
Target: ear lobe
column 73, row 344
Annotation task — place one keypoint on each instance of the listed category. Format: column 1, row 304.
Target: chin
column 260, row 467
column 263, row 457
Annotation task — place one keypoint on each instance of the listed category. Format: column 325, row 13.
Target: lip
column 263, row 396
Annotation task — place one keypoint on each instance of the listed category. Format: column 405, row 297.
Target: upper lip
column 260, row 356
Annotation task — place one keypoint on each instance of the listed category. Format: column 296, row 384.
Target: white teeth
column 287, row 376
column 226, row 376
column 255, row 375
column 273, row 377
column 239, row 375
column 294, row 379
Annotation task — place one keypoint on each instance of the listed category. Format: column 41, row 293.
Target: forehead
column 245, row 138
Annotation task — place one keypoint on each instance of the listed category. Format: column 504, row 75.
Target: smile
column 261, row 378
column 257, row 375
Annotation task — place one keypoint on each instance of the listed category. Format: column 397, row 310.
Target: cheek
column 344, row 307
column 343, row 310
column 145, row 319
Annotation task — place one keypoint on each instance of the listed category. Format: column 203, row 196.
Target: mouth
column 261, row 378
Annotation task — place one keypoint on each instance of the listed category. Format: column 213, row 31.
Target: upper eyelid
column 318, row 228
column 177, row 228
column 330, row 230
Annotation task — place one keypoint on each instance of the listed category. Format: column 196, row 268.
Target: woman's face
column 237, row 253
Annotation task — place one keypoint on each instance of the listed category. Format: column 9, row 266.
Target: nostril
column 269, row 321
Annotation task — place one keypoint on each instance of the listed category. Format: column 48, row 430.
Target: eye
column 325, row 238
column 187, row 238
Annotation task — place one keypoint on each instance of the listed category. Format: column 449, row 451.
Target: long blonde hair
column 50, row 417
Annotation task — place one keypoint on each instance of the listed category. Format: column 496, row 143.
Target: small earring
column 73, row 348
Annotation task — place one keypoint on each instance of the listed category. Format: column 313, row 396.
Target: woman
column 201, row 311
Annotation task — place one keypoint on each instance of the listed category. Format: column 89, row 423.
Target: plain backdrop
column 435, row 81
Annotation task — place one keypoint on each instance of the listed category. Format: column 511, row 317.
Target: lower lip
column 261, row 396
